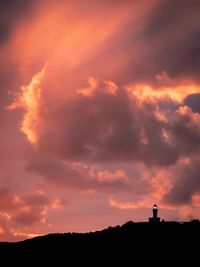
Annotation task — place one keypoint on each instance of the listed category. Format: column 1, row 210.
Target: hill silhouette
column 114, row 244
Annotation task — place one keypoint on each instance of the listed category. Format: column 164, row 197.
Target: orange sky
column 99, row 114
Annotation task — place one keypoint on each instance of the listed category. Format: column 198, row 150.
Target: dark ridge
column 120, row 243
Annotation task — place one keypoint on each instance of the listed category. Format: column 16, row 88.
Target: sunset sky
column 99, row 113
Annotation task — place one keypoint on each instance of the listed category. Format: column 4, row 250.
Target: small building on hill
column 155, row 218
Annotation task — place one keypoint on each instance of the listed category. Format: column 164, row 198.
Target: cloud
column 185, row 183
column 24, row 210
column 101, row 125
column 29, row 99
column 193, row 101
column 78, row 175
column 169, row 47
column 103, row 122
column 185, row 128
column 36, row 199
column 11, row 13
column 30, row 216
column 7, row 200
column 126, row 205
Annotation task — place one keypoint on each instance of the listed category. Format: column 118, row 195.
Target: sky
column 99, row 114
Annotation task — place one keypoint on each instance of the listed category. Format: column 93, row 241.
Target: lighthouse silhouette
column 155, row 218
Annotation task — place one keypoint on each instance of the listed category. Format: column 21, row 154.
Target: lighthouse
column 155, row 218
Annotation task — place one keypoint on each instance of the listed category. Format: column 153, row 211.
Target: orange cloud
column 159, row 184
column 126, row 205
column 29, row 99
column 177, row 92
column 18, row 233
column 1, row 231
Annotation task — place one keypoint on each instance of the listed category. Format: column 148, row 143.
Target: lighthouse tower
column 155, row 218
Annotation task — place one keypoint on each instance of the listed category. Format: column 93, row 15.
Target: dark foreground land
column 131, row 242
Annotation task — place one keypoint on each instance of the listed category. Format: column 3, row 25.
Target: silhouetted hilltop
column 113, row 243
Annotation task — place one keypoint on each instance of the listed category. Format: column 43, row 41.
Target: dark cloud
column 106, row 126
column 76, row 175
column 193, row 101
column 178, row 49
column 6, row 199
column 29, row 217
column 11, row 12
column 102, row 124
column 36, row 199
column 186, row 183
column 25, row 209
column 184, row 128
column 168, row 40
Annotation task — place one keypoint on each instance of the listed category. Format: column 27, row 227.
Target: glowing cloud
column 176, row 92
column 29, row 99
